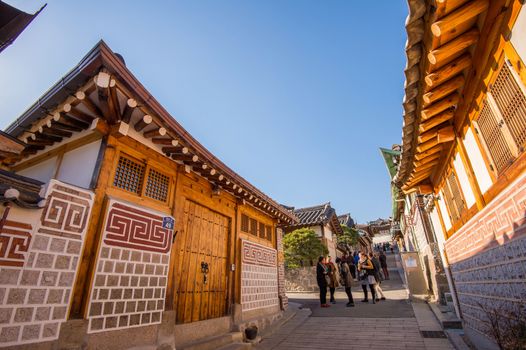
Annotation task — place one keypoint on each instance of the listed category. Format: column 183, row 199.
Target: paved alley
column 396, row 323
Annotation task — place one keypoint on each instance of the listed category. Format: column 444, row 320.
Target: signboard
column 168, row 222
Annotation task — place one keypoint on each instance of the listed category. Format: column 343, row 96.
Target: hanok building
column 463, row 142
column 322, row 219
column 121, row 229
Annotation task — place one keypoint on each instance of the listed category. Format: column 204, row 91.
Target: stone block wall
column 302, row 279
column 259, row 276
column 488, row 257
column 281, row 271
column 132, row 267
column 39, row 263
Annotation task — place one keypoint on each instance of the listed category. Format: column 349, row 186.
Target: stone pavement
column 393, row 324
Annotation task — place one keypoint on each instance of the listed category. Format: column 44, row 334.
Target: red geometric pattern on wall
column 130, row 227
column 256, row 254
column 14, row 241
column 66, row 212
column 501, row 220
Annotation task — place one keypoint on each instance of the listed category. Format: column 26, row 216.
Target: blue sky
column 294, row 95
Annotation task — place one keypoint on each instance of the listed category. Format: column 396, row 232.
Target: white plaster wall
column 77, row 165
column 443, row 211
column 42, row 171
column 477, row 162
column 464, row 181
column 317, row 230
column 518, row 35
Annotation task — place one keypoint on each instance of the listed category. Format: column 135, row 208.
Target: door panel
column 203, row 239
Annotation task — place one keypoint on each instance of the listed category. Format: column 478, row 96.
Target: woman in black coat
column 321, row 273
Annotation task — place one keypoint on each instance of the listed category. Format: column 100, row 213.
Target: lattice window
column 510, row 99
column 457, row 195
column 253, row 227
column 157, row 185
column 244, row 223
column 269, row 232
column 262, row 232
column 496, row 144
column 129, row 175
column 453, row 197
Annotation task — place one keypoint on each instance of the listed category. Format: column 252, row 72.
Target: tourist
column 321, row 279
column 366, row 275
column 377, row 270
column 333, row 279
column 383, row 263
column 346, row 279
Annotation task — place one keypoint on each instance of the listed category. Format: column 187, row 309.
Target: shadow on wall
column 490, row 278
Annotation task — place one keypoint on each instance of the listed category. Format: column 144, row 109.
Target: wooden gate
column 204, row 240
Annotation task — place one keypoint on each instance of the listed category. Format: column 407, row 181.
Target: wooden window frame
column 147, row 166
column 510, row 141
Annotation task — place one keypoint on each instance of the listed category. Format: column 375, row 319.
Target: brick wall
column 281, row 271
column 39, row 263
column 132, row 268
column 259, row 276
column 488, row 257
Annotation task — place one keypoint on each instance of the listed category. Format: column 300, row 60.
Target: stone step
column 213, row 343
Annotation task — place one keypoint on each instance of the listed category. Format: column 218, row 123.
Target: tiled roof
column 319, row 214
column 21, row 190
column 346, row 220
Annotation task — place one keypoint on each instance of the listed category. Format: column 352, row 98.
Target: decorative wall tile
column 129, row 285
column 259, row 276
column 488, row 257
column 39, row 263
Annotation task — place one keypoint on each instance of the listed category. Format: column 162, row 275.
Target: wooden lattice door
column 203, row 241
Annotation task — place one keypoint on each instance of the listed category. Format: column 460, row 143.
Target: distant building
column 324, row 221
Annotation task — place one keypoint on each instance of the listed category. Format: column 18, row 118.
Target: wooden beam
column 39, row 142
column 77, row 114
column 431, row 134
column 436, row 120
column 143, row 122
column 426, row 145
column 155, row 132
column 171, row 149
column 184, row 157
column 45, row 130
column 40, row 136
column 450, row 101
column 62, row 126
column 102, row 84
column 422, row 155
column 459, row 16
column 448, row 71
column 66, row 120
column 426, row 166
column 445, row 53
column 113, row 101
column 129, row 107
column 163, row 141
column 89, row 104
column 426, row 160
column 446, row 134
column 444, row 7
column 445, row 89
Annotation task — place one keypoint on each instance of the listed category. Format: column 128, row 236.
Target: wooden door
column 204, row 239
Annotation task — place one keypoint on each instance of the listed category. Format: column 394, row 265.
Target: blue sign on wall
column 168, row 222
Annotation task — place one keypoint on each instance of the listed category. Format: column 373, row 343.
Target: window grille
column 262, row 232
column 448, row 198
column 496, row 143
column 157, row 185
column 458, row 200
column 511, row 102
column 129, row 175
column 244, row 223
column 269, row 232
column 253, row 227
